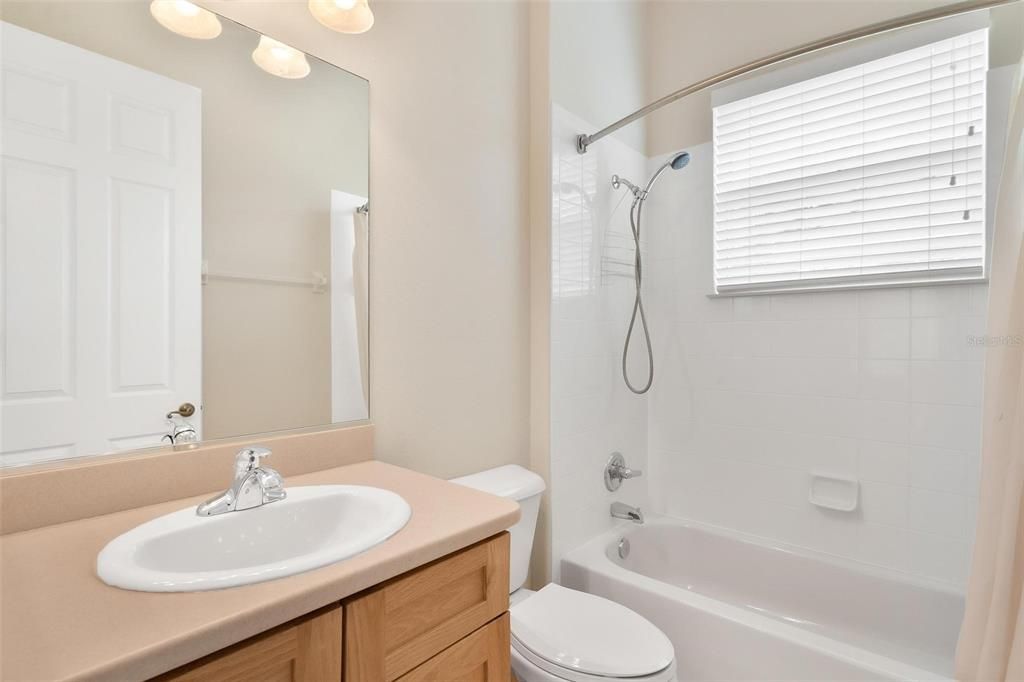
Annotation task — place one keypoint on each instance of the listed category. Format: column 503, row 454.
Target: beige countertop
column 58, row 621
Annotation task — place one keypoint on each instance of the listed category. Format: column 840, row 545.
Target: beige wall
column 692, row 39
column 598, row 61
column 540, row 176
column 273, row 150
column 449, row 280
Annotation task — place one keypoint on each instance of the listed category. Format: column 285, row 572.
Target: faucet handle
column 616, row 471
column 626, row 472
column 248, row 459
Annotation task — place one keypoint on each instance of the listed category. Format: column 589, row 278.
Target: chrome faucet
column 616, row 471
column 624, row 511
column 254, row 485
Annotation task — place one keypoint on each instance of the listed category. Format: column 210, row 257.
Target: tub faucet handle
column 616, row 471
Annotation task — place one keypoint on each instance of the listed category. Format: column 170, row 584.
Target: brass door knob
column 184, row 410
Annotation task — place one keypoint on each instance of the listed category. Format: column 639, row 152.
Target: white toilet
column 560, row 634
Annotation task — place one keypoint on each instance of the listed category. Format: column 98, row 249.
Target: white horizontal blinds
column 872, row 173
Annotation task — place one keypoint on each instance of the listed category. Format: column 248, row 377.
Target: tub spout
column 624, row 511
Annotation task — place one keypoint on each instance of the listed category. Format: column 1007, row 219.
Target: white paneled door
column 101, row 237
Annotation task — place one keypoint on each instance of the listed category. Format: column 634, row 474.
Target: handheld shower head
column 676, row 162
column 680, row 160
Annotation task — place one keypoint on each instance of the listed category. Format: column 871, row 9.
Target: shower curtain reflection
column 348, row 307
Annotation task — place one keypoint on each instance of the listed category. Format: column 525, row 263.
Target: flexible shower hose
column 638, row 301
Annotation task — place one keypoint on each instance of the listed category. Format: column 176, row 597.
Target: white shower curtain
column 991, row 643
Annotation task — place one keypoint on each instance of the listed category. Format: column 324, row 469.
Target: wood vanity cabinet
column 392, row 628
column 303, row 650
column 446, row 621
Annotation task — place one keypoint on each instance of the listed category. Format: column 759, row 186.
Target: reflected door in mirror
column 102, row 257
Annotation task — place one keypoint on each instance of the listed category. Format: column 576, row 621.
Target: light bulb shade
column 186, row 19
column 344, row 16
column 279, row 59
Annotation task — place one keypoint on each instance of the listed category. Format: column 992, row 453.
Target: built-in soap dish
column 828, row 491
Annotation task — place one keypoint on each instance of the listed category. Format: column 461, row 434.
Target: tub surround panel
column 52, row 601
column 104, row 485
column 592, row 411
column 755, row 393
column 595, row 66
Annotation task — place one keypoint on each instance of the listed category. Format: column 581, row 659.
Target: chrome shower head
column 675, row 163
column 679, row 160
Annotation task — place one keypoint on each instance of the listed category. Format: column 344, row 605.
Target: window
column 872, row 174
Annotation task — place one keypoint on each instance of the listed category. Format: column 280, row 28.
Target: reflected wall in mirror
column 181, row 228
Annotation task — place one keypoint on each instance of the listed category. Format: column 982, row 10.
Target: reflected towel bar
column 317, row 282
column 584, row 141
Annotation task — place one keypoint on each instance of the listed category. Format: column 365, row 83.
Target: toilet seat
column 528, row 667
column 578, row 636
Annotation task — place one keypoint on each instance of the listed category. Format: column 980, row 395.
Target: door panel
column 39, row 329
column 141, row 316
column 307, row 650
column 481, row 657
column 391, row 629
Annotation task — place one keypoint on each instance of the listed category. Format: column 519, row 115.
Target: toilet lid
column 589, row 634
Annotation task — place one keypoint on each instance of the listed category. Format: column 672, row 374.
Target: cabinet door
column 481, row 657
column 391, row 629
column 305, row 650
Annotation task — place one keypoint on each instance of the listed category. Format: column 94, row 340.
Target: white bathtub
column 740, row 609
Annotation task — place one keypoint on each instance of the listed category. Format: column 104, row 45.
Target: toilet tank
column 525, row 487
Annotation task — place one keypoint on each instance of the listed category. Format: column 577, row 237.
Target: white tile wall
column 753, row 394
column 592, row 413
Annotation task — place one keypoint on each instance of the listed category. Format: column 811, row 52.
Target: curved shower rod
column 584, row 141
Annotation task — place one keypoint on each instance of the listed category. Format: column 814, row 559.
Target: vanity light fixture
column 279, row 59
column 344, row 16
column 186, row 19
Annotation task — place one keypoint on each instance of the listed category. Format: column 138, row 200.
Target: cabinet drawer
column 481, row 657
column 305, row 650
column 392, row 628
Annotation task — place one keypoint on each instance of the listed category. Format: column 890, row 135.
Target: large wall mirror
column 184, row 232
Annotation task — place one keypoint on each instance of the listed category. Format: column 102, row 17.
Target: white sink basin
column 314, row 526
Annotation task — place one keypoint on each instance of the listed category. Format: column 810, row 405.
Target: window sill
column 857, row 286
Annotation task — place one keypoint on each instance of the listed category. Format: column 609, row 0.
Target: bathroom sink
column 312, row 527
